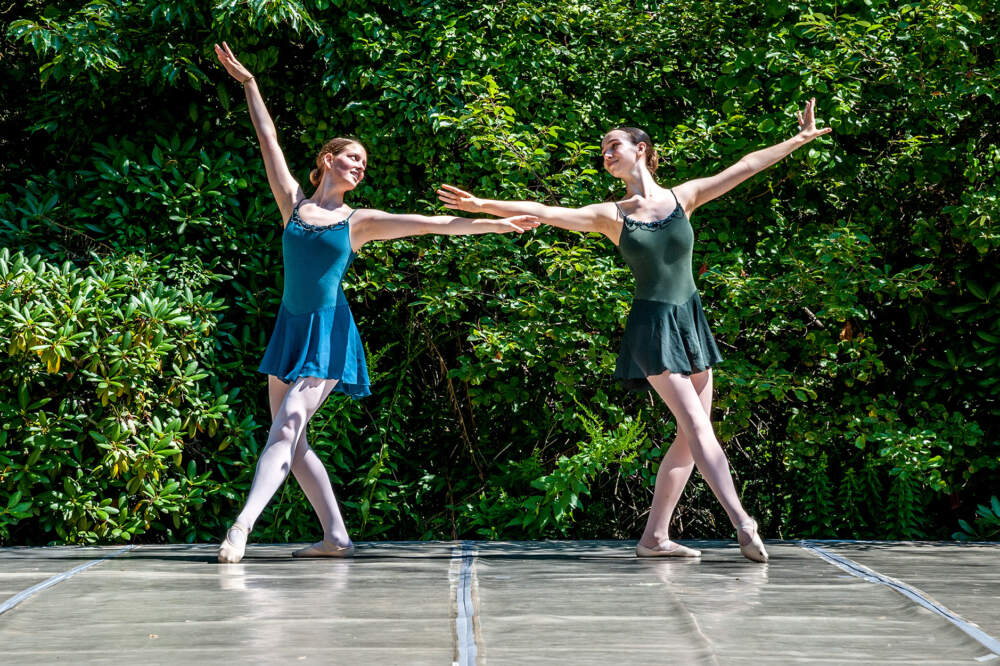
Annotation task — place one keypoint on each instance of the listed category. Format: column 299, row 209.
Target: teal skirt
column 665, row 336
column 324, row 344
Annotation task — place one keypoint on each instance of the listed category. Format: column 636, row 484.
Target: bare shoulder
column 359, row 215
column 605, row 210
column 372, row 223
column 687, row 195
column 370, row 216
column 604, row 217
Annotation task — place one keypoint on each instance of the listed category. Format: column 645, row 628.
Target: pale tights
column 690, row 401
column 287, row 450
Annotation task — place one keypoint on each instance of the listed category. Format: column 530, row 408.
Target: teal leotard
column 315, row 334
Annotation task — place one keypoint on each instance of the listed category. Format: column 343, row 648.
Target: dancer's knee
column 694, row 428
column 704, row 434
column 288, row 427
column 301, row 449
column 680, row 449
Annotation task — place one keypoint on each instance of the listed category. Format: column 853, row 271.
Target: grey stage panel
column 963, row 577
column 174, row 604
column 23, row 567
column 584, row 603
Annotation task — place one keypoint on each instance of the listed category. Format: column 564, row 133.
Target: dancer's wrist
column 489, row 225
column 800, row 140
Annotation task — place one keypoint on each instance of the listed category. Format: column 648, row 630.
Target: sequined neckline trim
column 316, row 228
column 633, row 224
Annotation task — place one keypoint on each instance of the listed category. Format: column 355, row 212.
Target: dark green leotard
column 666, row 328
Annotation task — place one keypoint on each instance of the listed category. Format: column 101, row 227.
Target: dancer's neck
column 641, row 184
column 328, row 196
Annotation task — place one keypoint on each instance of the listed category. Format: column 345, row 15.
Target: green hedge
column 851, row 287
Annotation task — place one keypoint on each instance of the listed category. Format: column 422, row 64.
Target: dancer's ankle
column 654, row 539
column 338, row 539
column 740, row 523
column 238, row 533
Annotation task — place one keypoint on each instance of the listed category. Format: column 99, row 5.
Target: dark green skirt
column 665, row 336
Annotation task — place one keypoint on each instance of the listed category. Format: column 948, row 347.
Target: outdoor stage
column 581, row 602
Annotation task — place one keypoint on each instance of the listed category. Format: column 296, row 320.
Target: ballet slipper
column 676, row 551
column 750, row 542
column 230, row 552
column 325, row 549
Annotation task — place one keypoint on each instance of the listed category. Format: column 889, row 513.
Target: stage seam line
column 58, row 578
column 465, row 619
column 870, row 575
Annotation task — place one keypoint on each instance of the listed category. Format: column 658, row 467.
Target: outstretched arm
column 285, row 188
column 370, row 225
column 599, row 218
column 699, row 191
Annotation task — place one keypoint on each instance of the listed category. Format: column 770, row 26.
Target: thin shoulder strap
column 620, row 211
column 677, row 201
column 347, row 219
column 295, row 209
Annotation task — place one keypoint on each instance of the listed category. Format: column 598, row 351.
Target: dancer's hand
column 518, row 223
column 232, row 65
column 807, row 122
column 452, row 197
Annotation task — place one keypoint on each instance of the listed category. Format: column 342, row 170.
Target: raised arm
column 285, row 188
column 599, row 218
column 369, row 225
column 694, row 193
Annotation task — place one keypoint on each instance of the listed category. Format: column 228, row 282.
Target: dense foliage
column 852, row 287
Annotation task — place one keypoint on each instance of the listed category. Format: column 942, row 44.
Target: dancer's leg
column 678, row 392
column 675, row 469
column 312, row 476
column 299, row 404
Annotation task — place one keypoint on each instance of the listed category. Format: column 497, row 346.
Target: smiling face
column 628, row 153
column 621, row 154
column 347, row 166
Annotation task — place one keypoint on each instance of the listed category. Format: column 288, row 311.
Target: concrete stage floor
column 581, row 602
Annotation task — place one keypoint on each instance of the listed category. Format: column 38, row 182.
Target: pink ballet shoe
column 325, row 549
column 230, row 552
column 750, row 542
column 676, row 550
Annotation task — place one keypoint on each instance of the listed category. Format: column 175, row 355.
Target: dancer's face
column 620, row 154
column 348, row 166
